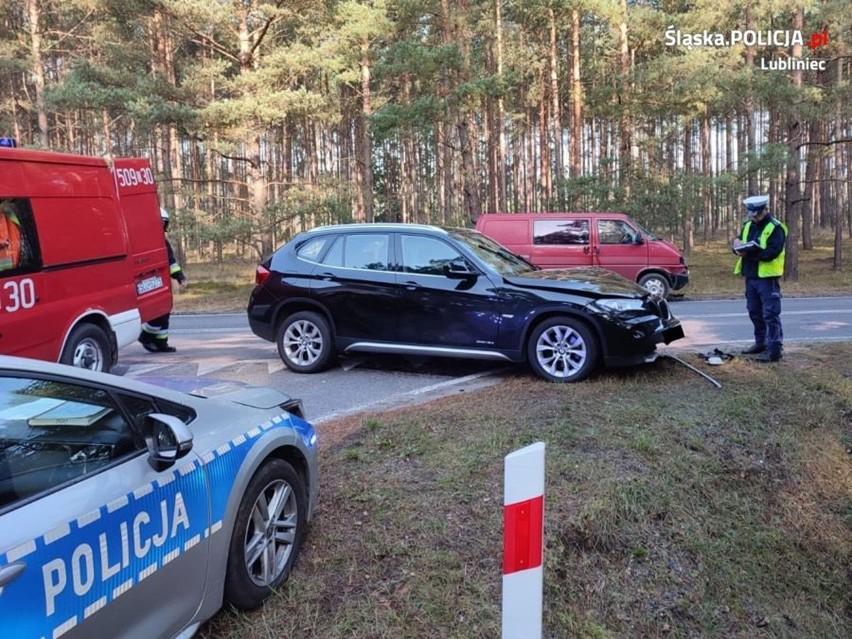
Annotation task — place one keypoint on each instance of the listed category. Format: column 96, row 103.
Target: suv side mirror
column 458, row 270
column 638, row 239
column 167, row 438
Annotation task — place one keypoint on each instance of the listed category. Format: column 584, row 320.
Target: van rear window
column 19, row 249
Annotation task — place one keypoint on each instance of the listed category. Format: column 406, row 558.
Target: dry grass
column 216, row 288
column 674, row 509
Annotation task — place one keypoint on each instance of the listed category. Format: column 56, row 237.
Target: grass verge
column 673, row 509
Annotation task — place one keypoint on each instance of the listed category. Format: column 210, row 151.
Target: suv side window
column 366, row 251
column 426, row 255
column 312, row 249
column 561, row 232
column 19, row 252
column 616, row 232
column 53, row 432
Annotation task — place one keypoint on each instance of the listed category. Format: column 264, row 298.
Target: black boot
column 162, row 346
column 754, row 349
column 769, row 356
column 147, row 341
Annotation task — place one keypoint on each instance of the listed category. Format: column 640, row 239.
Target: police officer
column 155, row 334
column 760, row 248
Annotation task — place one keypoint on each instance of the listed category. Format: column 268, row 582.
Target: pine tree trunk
column 555, row 113
column 625, row 129
column 366, row 157
column 37, row 69
column 751, row 139
column 502, row 201
column 688, row 239
column 545, row 168
column 530, row 199
column 576, row 146
column 793, row 194
column 842, row 214
column 707, row 175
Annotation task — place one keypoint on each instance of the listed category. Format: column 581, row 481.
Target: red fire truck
column 82, row 256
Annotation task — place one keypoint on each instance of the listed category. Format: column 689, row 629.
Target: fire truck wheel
column 88, row 347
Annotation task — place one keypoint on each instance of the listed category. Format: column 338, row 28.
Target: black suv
column 424, row 290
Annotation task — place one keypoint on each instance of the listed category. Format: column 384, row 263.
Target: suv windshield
column 495, row 255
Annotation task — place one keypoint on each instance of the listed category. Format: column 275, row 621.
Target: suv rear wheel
column 562, row 349
column 305, row 342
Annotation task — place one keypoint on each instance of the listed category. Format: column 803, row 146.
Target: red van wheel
column 656, row 283
column 88, row 347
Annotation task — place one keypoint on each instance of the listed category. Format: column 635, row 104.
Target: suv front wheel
column 562, row 349
column 305, row 342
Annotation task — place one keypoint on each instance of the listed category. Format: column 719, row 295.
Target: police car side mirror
column 167, row 438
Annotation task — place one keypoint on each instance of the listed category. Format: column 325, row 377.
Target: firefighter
column 10, row 236
column 155, row 334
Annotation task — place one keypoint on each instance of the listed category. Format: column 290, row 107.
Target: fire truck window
column 18, row 246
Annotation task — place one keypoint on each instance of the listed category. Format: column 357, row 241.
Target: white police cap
column 756, row 202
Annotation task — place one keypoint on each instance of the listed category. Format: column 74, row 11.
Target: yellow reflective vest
column 773, row 268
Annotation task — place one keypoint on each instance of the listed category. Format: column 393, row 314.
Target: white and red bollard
column 523, row 542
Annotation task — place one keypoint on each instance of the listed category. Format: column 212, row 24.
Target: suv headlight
column 623, row 306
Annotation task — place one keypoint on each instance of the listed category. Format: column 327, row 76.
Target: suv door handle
column 9, row 573
column 411, row 286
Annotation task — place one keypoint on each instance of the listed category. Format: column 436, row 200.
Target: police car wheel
column 268, row 533
column 88, row 347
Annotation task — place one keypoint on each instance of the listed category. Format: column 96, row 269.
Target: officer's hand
column 182, row 286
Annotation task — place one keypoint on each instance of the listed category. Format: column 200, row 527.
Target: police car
column 134, row 510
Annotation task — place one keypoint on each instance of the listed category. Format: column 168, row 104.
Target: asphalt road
column 222, row 346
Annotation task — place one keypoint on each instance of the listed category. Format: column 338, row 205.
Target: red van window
column 561, row 231
column 616, row 232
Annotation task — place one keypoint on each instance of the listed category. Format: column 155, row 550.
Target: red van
column 82, row 256
column 610, row 240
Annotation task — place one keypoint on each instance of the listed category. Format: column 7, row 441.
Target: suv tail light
column 260, row 274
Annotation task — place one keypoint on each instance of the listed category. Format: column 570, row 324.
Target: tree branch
column 829, row 143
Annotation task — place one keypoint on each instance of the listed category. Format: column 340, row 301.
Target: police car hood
column 238, row 392
column 597, row 282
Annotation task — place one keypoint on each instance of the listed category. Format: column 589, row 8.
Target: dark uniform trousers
column 763, row 302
